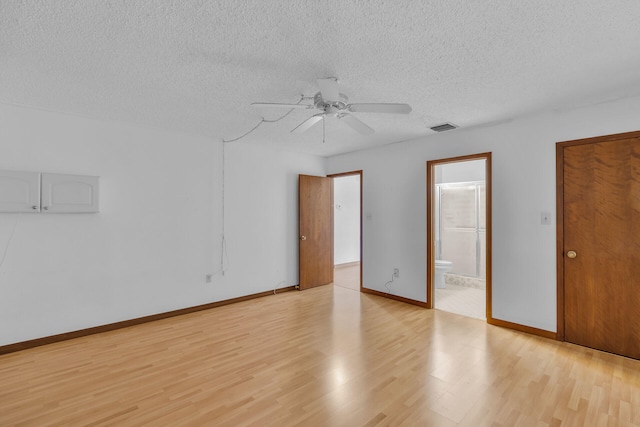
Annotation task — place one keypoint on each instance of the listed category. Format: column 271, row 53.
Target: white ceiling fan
column 333, row 103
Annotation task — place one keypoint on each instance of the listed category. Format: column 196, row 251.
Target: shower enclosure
column 460, row 227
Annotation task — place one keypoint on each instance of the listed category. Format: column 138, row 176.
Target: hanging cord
column 223, row 250
column 263, row 120
column 6, row 247
column 224, row 256
column 393, row 276
column 276, row 288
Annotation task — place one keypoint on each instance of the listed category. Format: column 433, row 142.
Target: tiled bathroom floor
column 462, row 300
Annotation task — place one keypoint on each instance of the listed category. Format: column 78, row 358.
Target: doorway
column 598, row 224
column 347, row 236
column 459, row 235
column 316, row 211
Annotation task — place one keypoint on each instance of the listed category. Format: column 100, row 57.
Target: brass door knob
column 571, row 254
column 303, row 237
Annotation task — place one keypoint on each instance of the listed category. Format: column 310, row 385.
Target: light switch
column 545, row 218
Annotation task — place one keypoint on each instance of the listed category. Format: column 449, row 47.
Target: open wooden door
column 315, row 219
column 599, row 264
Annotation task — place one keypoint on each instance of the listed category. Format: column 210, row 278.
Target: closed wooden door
column 601, row 244
column 315, row 219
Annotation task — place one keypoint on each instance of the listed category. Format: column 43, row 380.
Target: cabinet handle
column 34, row 207
column 46, row 208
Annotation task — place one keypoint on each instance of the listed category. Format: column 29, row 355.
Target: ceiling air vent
column 443, row 127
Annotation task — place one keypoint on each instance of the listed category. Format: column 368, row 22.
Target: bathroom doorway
column 347, row 234
column 459, row 235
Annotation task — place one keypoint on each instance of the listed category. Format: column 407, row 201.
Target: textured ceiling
column 196, row 66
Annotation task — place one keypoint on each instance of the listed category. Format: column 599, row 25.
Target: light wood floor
column 328, row 356
column 347, row 276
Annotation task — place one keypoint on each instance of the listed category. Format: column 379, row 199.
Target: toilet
column 441, row 268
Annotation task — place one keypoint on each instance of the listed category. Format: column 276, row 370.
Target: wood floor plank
column 326, row 356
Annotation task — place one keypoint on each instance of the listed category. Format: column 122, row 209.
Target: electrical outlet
column 396, row 273
column 208, row 278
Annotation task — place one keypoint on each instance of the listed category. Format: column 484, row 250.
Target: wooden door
column 601, row 243
column 315, row 219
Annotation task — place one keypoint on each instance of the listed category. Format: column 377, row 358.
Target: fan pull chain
column 324, row 119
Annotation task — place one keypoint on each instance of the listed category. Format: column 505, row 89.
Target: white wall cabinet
column 19, row 191
column 69, row 193
column 48, row 192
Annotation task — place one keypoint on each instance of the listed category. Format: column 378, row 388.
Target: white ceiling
column 196, row 66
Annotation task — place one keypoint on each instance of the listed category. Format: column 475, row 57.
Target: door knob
column 571, row 254
column 303, row 237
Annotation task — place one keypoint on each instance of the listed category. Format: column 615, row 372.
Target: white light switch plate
column 545, row 218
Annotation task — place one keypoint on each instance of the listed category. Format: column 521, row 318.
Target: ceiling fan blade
column 274, row 104
column 329, row 89
column 356, row 124
column 380, row 108
column 307, row 124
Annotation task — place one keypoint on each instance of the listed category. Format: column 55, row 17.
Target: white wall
column 472, row 170
column 524, row 273
column 159, row 230
column 346, row 219
column 262, row 217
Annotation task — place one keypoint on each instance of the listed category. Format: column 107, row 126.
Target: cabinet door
column 19, row 191
column 69, row 193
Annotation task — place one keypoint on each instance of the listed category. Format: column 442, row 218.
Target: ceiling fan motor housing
column 330, row 107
